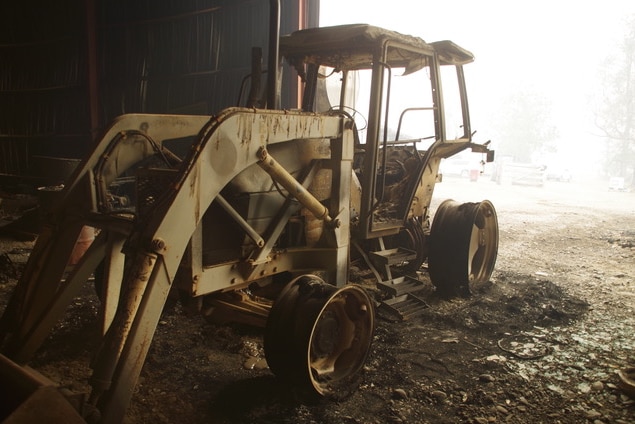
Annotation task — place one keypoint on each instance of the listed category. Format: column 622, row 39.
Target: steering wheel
column 352, row 114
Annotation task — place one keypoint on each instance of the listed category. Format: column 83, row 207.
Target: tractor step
column 400, row 285
column 392, row 256
column 405, row 306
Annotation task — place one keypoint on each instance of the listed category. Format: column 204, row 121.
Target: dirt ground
column 540, row 344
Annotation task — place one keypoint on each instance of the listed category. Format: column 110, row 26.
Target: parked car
column 617, row 184
column 455, row 167
column 558, row 175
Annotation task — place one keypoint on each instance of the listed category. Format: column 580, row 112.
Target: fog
column 551, row 50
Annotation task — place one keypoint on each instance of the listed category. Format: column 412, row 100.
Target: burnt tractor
column 256, row 214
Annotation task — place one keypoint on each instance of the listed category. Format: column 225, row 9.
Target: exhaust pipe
column 274, row 49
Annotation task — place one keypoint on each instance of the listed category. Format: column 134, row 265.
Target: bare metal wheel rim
column 463, row 246
column 318, row 336
column 483, row 244
column 340, row 338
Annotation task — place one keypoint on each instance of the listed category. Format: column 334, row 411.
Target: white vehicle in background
column 558, row 174
column 617, row 184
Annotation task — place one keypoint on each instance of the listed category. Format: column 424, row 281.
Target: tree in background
column 525, row 127
column 615, row 115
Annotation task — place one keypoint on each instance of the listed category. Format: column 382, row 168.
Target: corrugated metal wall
column 43, row 97
column 68, row 67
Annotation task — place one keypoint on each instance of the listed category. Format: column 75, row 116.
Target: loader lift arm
column 158, row 242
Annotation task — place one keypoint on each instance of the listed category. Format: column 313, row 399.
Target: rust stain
column 194, row 189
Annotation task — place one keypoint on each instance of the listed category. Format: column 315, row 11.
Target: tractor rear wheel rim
column 463, row 246
column 483, row 244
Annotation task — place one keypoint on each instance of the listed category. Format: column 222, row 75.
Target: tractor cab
column 409, row 104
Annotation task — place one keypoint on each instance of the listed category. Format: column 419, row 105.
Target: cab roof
column 348, row 47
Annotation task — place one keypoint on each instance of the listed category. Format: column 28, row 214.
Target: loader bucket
column 29, row 397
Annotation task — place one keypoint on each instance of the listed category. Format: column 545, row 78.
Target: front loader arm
column 155, row 245
column 230, row 146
